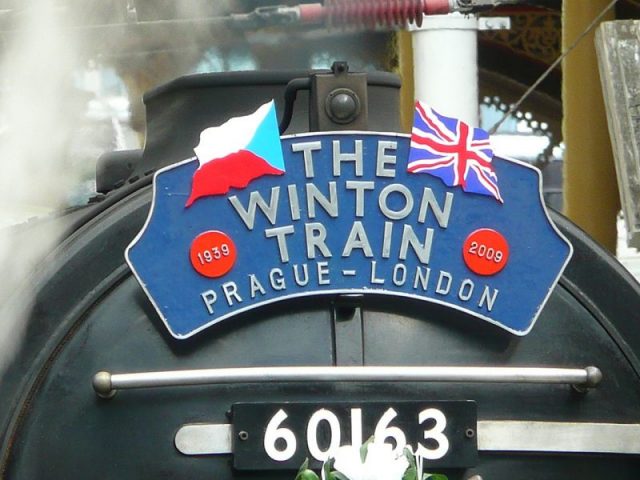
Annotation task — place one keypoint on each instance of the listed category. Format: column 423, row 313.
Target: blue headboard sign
column 335, row 213
column 255, row 219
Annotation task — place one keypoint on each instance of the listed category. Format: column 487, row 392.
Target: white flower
column 381, row 463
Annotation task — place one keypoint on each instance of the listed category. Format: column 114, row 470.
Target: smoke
column 39, row 110
column 42, row 118
column 43, row 46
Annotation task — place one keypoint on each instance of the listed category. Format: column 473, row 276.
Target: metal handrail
column 106, row 384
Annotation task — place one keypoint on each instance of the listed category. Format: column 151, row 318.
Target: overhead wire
column 515, row 106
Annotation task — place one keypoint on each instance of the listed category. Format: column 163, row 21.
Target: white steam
column 42, row 119
column 37, row 118
column 43, row 116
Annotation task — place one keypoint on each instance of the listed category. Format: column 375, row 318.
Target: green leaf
column 326, row 468
column 308, row 475
column 410, row 473
column 410, row 457
column 339, row 475
column 304, row 473
column 364, row 448
column 434, row 476
column 304, row 466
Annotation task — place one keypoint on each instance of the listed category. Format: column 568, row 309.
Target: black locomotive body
column 89, row 314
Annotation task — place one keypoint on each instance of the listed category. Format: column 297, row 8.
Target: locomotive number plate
column 271, row 436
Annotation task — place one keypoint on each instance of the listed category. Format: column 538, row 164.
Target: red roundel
column 485, row 252
column 212, row 254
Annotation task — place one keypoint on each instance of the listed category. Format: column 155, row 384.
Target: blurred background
column 73, row 73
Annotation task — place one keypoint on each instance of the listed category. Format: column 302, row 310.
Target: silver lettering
column 209, row 298
column 422, row 251
column 330, row 205
column 444, row 289
column 230, row 290
column 359, row 188
column 323, row 273
column 248, row 216
column 465, row 296
column 339, row 157
column 489, row 300
column 307, row 148
column 422, row 279
column 374, row 279
column 256, row 286
column 296, row 275
column 357, row 239
column 276, row 278
column 429, row 201
column 294, row 203
column 316, row 234
column 408, row 201
column 280, row 233
column 383, row 160
column 386, row 240
column 399, row 274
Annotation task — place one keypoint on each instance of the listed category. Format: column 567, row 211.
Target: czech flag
column 237, row 152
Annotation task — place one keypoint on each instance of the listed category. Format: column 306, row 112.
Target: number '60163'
column 281, row 443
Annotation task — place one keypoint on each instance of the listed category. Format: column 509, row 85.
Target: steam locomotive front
column 318, row 365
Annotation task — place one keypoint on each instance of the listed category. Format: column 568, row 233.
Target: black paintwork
column 90, row 314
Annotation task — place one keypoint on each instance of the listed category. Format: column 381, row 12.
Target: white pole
column 445, row 63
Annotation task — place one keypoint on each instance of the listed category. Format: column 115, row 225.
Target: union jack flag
column 452, row 151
